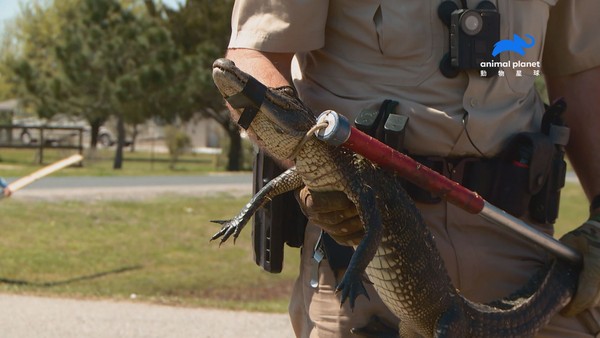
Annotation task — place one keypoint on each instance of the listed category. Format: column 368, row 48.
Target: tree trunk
column 235, row 156
column 95, row 130
column 118, row 163
column 133, row 138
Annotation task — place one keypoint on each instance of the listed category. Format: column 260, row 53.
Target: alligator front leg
column 351, row 285
column 287, row 181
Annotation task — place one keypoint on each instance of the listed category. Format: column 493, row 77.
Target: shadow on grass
column 70, row 280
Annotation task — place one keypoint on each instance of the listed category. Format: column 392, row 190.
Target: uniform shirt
column 353, row 54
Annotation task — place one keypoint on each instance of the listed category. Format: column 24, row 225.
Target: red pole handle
column 414, row 171
column 339, row 132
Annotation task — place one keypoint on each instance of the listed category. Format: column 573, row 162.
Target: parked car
column 28, row 135
column 105, row 137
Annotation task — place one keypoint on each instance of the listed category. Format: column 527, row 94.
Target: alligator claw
column 351, row 287
column 229, row 227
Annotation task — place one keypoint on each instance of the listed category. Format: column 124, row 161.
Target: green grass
column 20, row 162
column 574, row 209
column 158, row 250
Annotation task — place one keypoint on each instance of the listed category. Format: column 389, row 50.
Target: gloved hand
column 334, row 213
column 586, row 240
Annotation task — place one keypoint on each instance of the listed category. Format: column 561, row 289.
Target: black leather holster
column 278, row 222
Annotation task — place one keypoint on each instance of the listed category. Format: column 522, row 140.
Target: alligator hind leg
column 287, row 181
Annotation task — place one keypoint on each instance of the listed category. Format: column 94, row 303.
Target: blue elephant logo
column 517, row 45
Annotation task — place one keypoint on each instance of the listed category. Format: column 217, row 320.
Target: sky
column 10, row 8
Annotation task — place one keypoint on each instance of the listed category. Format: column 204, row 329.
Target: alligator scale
column 397, row 252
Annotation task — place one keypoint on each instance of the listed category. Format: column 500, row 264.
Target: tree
column 177, row 141
column 201, row 29
column 126, row 60
column 28, row 62
column 6, row 88
column 109, row 59
column 101, row 58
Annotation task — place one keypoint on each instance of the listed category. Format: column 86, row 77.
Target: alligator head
column 281, row 120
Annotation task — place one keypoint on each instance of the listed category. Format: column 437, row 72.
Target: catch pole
column 45, row 171
column 340, row 132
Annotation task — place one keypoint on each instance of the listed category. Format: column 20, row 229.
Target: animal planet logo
column 517, row 45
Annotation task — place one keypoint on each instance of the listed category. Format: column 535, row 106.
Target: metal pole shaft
column 501, row 217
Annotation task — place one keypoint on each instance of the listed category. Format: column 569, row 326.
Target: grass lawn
column 157, row 250
column 574, row 209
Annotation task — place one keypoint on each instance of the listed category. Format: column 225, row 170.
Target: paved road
column 111, row 181
column 144, row 186
column 25, row 316
column 37, row 317
column 52, row 188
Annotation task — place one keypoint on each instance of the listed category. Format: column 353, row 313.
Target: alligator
column 397, row 252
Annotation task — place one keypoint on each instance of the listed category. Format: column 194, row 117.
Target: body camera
column 473, row 33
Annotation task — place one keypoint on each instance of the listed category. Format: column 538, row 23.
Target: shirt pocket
column 526, row 19
column 404, row 32
column 400, row 43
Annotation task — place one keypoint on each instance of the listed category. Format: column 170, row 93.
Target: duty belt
column 477, row 174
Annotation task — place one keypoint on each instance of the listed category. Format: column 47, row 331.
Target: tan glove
column 586, row 240
column 334, row 213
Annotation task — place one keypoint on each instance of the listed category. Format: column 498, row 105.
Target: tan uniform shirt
column 353, row 54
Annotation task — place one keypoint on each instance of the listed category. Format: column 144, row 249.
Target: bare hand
column 334, row 213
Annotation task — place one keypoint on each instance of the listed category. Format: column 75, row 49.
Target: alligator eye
column 289, row 90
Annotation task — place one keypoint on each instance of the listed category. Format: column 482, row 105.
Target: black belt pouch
column 523, row 171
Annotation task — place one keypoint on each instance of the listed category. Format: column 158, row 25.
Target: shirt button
column 474, row 102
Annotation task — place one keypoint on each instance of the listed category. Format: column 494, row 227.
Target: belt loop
column 317, row 257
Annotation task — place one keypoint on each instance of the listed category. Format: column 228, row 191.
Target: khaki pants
column 484, row 261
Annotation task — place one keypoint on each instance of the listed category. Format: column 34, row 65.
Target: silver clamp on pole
column 338, row 128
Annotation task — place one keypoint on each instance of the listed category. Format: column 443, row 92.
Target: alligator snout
column 226, row 78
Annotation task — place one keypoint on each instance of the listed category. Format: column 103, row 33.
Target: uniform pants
column 484, row 261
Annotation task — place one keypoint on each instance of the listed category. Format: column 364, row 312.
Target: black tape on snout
column 250, row 98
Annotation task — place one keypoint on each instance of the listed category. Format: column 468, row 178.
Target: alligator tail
column 525, row 312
